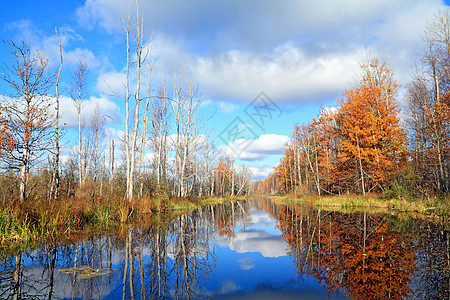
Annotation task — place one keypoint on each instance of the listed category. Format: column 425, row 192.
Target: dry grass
column 370, row 201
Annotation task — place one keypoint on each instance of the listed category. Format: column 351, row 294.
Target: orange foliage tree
column 285, row 171
column 372, row 260
column 224, row 175
column 373, row 143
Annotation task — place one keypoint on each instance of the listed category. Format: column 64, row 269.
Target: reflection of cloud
column 261, row 219
column 259, row 241
column 246, row 263
column 228, row 287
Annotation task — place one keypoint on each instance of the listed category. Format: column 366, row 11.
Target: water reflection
column 241, row 250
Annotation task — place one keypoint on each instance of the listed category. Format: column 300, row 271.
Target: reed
column 15, row 232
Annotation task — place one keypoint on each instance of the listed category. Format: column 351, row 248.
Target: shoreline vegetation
column 431, row 206
column 25, row 225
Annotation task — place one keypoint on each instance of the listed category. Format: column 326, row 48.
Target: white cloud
column 111, row 83
column 253, row 149
column 261, row 171
column 261, row 219
column 286, row 74
column 69, row 114
column 227, row 107
column 246, row 263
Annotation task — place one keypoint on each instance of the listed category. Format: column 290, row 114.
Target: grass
column 16, row 232
column 24, row 225
column 432, row 205
column 219, row 200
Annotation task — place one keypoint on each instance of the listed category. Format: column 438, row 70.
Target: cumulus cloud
column 294, row 50
column 69, row 113
column 255, row 149
column 261, row 172
column 111, row 83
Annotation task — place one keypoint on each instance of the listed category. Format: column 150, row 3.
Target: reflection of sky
column 261, row 241
column 259, row 235
column 261, row 219
column 255, row 264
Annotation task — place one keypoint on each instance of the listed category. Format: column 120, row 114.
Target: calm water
column 245, row 250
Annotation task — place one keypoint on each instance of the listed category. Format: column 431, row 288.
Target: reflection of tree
column 179, row 256
column 20, row 281
column 432, row 279
column 374, row 261
column 227, row 215
column 357, row 254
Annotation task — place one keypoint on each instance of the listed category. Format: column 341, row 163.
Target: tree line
column 182, row 163
column 366, row 144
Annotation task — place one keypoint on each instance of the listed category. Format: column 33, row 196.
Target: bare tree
column 55, row 178
column 26, row 114
column 160, row 127
column 140, row 53
column 185, row 106
column 78, row 93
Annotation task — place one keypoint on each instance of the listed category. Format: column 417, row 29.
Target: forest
column 373, row 143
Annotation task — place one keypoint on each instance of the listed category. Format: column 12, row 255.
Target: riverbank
column 438, row 206
column 26, row 225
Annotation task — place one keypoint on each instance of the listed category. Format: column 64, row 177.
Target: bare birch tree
column 55, row 178
column 78, row 92
column 140, row 54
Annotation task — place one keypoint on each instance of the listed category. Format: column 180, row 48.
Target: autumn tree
column 26, row 115
column 285, row 171
column 373, row 142
column 224, row 175
column 357, row 146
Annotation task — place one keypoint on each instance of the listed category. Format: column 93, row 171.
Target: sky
column 261, row 67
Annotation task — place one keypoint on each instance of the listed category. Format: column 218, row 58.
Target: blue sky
column 301, row 54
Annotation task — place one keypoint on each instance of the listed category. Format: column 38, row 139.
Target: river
column 243, row 250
